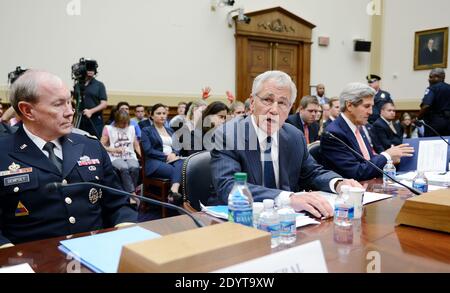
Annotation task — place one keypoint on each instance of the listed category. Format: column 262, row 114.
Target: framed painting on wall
column 430, row 49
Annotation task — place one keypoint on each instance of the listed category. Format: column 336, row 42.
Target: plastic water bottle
column 240, row 201
column 389, row 168
column 258, row 208
column 343, row 208
column 288, row 231
column 270, row 221
column 420, row 182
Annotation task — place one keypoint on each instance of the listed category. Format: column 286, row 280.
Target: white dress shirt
column 353, row 128
column 39, row 142
column 262, row 136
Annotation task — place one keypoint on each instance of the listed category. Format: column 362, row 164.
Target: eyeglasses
column 269, row 100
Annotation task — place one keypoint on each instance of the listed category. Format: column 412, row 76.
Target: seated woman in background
column 203, row 136
column 183, row 136
column 409, row 129
column 122, row 145
column 161, row 160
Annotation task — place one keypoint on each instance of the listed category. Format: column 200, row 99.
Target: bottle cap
column 258, row 207
column 268, row 203
column 240, row 176
column 345, row 189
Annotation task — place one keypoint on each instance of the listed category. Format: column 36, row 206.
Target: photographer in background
column 93, row 99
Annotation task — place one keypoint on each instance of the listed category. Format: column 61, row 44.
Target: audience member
column 335, row 110
column 409, row 129
column 161, row 160
column 321, row 94
column 385, row 133
column 237, row 109
column 121, row 143
column 124, row 106
column 139, row 114
column 305, row 118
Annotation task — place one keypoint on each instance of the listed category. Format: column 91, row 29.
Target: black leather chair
column 197, row 181
column 315, row 151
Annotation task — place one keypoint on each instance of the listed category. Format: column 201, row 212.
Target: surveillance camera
column 242, row 17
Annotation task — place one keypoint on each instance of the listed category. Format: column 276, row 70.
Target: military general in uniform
column 43, row 151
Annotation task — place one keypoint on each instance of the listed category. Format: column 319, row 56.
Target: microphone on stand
column 413, row 190
column 54, row 186
column 421, row 122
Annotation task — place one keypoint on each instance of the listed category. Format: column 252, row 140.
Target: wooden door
column 285, row 58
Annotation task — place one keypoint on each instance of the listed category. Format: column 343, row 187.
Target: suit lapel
column 72, row 153
column 253, row 156
column 26, row 151
column 351, row 136
column 283, row 160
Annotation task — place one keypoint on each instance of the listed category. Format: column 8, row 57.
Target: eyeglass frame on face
column 265, row 102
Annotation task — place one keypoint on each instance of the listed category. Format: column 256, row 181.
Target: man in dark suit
column 42, row 151
column 385, row 133
column 305, row 118
column 271, row 152
column 356, row 106
column 335, row 110
column 429, row 54
column 380, row 97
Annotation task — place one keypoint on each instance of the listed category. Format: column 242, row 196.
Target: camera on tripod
column 13, row 75
column 80, row 69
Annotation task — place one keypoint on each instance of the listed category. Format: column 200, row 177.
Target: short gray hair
column 281, row 79
column 354, row 93
column 438, row 72
column 28, row 87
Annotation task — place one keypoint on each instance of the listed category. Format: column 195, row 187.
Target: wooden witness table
column 400, row 248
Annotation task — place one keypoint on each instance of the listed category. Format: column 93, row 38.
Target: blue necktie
column 269, row 175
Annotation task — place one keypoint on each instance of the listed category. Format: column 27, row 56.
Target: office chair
column 197, row 182
column 315, row 151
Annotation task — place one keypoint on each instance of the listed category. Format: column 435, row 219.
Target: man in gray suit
column 272, row 153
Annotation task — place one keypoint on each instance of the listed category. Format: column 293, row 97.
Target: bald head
column 33, row 84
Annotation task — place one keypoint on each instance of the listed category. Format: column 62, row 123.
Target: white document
column 22, row 268
column 306, row 258
column 303, row 220
column 430, row 186
column 368, row 197
column 432, row 156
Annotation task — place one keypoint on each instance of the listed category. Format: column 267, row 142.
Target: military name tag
column 19, row 171
column 89, row 162
column 16, row 180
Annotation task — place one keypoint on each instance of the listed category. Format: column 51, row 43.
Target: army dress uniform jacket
column 29, row 211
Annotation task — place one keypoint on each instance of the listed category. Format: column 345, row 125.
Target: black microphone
column 421, row 122
column 55, row 186
column 412, row 189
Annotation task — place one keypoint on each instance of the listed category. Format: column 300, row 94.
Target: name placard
column 306, row 258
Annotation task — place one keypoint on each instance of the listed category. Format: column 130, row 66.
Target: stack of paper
column 101, row 252
column 216, row 211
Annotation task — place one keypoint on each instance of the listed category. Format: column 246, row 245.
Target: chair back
column 315, row 151
column 197, row 180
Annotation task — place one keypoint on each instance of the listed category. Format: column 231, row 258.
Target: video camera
column 80, row 69
column 13, row 75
